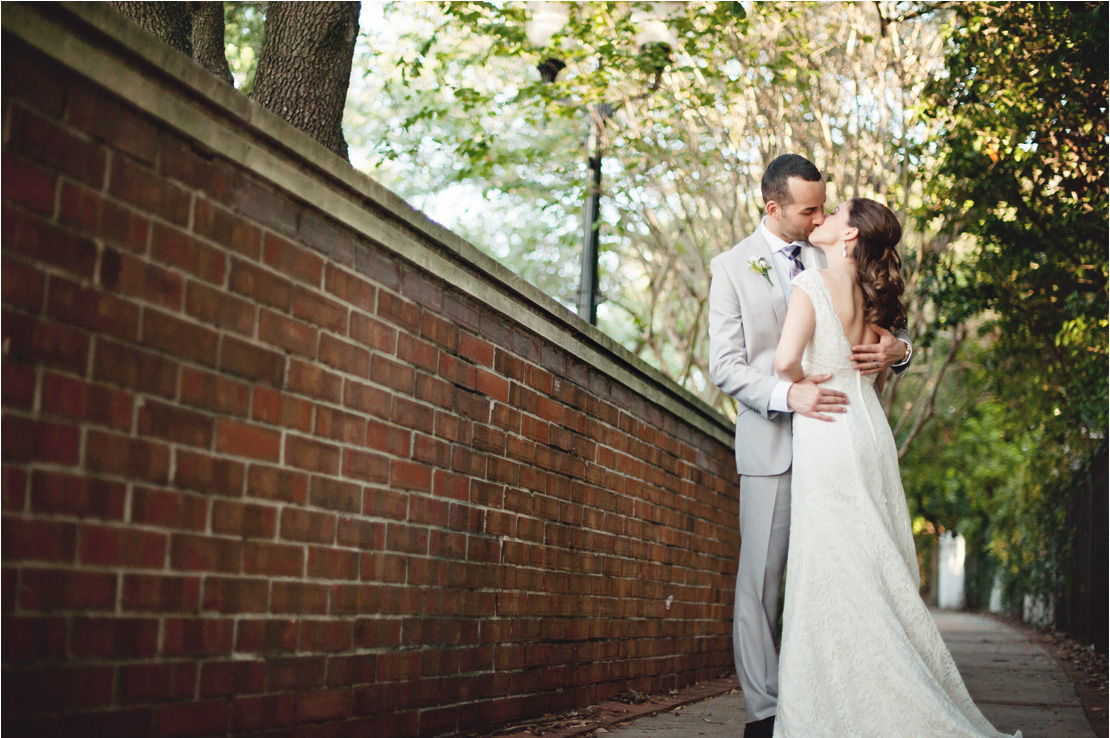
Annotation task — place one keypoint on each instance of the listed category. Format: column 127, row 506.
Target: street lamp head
column 651, row 25
column 546, row 19
column 654, row 37
column 657, row 55
column 654, row 33
column 550, row 68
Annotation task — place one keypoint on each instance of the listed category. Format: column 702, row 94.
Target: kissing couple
column 805, row 319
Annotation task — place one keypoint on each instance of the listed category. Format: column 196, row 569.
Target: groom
column 747, row 305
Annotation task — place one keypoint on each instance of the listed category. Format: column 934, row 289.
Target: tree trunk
column 193, row 28
column 208, row 38
column 169, row 21
column 305, row 66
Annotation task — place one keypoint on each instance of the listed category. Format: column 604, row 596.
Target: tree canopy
column 983, row 125
column 1022, row 139
column 1020, row 120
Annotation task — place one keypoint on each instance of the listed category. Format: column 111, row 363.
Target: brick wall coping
column 97, row 42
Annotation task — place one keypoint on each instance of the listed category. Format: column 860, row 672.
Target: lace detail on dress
column 861, row 656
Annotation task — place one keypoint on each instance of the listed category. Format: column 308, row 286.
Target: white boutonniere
column 759, row 264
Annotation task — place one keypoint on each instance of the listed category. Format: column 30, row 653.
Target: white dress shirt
column 779, row 256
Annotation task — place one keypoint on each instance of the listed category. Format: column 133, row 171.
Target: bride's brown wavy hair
column 877, row 262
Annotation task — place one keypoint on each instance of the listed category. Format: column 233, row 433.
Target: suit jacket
column 746, row 313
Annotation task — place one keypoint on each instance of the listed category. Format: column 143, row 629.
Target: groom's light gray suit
column 746, row 314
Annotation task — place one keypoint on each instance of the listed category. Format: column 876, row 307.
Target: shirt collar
column 776, row 243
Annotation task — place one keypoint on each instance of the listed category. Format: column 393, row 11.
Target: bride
column 861, row 656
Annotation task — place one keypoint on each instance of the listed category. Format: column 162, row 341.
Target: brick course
column 261, row 473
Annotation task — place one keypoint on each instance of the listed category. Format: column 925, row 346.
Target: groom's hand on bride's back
column 810, row 399
column 873, row 358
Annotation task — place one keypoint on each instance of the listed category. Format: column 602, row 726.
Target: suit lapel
column 759, row 248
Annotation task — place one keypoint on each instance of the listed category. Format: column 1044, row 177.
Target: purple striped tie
column 796, row 266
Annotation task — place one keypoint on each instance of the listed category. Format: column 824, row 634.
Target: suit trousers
column 764, row 536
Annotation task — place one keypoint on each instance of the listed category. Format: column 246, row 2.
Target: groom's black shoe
column 764, row 728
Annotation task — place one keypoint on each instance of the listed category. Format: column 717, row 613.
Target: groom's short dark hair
column 775, row 184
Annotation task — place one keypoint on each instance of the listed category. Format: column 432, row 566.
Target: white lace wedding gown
column 861, row 656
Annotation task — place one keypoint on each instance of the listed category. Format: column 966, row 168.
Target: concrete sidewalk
column 1015, row 682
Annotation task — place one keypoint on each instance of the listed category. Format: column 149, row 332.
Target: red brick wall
column 261, row 473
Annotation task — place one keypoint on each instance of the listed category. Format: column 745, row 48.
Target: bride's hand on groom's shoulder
column 807, row 397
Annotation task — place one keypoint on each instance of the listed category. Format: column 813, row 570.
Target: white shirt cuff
column 777, row 403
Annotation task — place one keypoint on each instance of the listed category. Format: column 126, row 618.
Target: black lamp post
column 588, row 285
column 547, row 18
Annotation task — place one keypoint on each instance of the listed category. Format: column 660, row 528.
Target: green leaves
column 982, row 124
column 244, row 27
column 1028, row 155
column 1022, row 113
